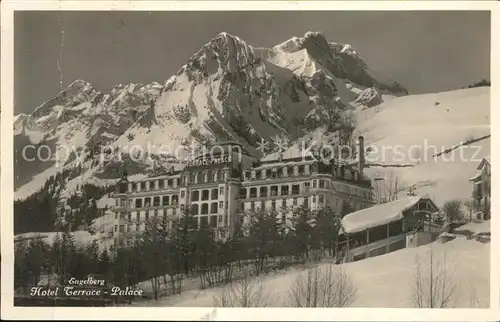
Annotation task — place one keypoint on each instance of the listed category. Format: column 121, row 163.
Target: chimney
column 361, row 154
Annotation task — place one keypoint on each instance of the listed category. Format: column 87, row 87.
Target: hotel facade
column 227, row 186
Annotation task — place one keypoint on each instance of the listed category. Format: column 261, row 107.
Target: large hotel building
column 222, row 186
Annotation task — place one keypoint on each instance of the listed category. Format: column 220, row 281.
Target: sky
column 426, row 51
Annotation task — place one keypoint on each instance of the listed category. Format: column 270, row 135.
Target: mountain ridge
column 227, row 90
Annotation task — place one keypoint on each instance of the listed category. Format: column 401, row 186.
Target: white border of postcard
column 192, row 313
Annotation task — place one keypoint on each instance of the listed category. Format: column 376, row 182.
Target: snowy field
column 420, row 126
column 383, row 281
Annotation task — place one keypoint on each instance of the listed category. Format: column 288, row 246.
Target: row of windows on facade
column 295, row 170
column 284, row 191
column 305, row 202
column 220, row 233
column 203, row 222
column 158, row 201
column 203, row 209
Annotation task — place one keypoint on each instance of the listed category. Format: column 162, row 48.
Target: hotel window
column 283, row 203
column 175, row 199
column 204, row 208
column 295, row 189
column 138, row 217
column 122, row 228
column 263, row 191
column 243, row 193
column 195, row 195
column 215, row 194
column 205, row 194
column 213, row 221
column 156, row 201
column 213, row 208
column 301, row 170
column 322, row 184
column 153, row 185
column 274, row 174
column 116, row 227
column 306, row 201
column 314, row 199
column 204, row 222
column 174, row 212
column 258, row 174
column 117, row 202
column 252, row 206
column 290, row 172
column 295, row 201
column 116, row 215
column 247, row 175
column 221, row 190
column 183, row 194
column 221, row 204
column 170, row 182
column 155, row 213
column 284, row 190
column 262, row 205
column 165, row 200
column 274, row 191
column 273, row 205
column 147, row 215
column 321, row 199
column 147, row 202
column 253, row 192
column 160, row 184
column 143, row 186
column 129, row 216
column 314, row 184
column 195, row 209
column 279, row 172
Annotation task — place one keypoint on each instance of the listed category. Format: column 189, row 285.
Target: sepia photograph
column 248, row 159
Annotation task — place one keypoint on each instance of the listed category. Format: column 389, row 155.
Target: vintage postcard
column 251, row 160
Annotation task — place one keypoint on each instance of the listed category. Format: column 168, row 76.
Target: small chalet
column 388, row 227
column 481, row 188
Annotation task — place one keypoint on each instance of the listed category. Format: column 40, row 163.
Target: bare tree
column 388, row 187
column 471, row 208
column 433, row 285
column 327, row 286
column 244, row 292
column 453, row 210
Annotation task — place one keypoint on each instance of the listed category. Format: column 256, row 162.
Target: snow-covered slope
column 228, row 90
column 405, row 133
column 391, row 274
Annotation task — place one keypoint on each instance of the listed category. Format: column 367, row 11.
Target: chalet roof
column 476, row 177
column 378, row 215
column 484, row 161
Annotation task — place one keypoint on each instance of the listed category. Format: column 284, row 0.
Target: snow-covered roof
column 377, row 215
column 485, row 160
column 477, row 176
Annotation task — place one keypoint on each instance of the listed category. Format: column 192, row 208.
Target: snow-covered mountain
column 228, row 90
